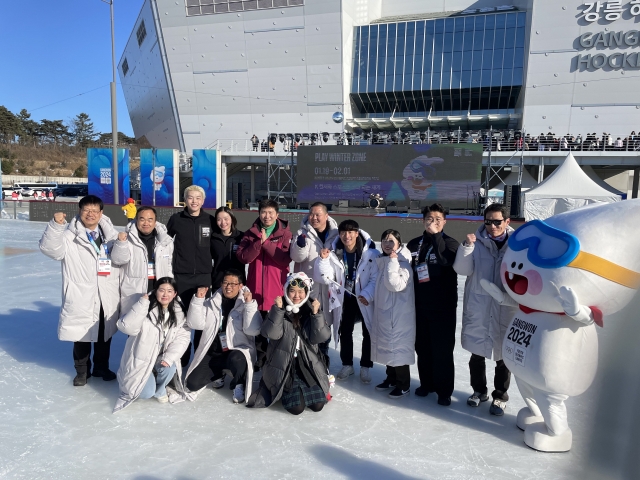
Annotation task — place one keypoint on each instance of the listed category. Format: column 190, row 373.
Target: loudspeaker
column 512, row 199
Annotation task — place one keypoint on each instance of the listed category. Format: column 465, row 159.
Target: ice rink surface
column 49, row 429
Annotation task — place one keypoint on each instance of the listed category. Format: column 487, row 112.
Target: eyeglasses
column 229, row 284
column 388, row 240
column 495, row 223
column 296, row 282
column 434, row 220
column 88, row 211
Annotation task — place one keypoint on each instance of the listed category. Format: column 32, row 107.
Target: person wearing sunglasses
column 484, row 320
column 295, row 371
column 229, row 321
column 436, row 296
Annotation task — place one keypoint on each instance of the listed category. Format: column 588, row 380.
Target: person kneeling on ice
column 158, row 336
column 229, row 321
column 294, row 371
column 393, row 328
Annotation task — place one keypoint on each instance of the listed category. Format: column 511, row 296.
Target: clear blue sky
column 53, row 50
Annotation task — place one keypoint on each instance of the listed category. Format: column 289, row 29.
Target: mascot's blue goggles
column 549, row 247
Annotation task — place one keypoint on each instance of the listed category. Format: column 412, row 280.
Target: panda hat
column 297, row 278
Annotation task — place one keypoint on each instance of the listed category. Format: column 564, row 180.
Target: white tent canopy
column 527, row 180
column 567, row 188
column 588, row 169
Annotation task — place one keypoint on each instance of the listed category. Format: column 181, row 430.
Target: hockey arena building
column 539, row 78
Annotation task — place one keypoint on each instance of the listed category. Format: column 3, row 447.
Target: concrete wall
column 563, row 98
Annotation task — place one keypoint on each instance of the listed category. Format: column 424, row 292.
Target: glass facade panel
column 447, row 66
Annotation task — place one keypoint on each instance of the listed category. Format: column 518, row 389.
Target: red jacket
column 268, row 262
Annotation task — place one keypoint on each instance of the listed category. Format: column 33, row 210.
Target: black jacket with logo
column 192, row 242
column 441, row 291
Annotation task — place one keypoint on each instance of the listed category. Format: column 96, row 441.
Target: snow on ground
column 52, row 430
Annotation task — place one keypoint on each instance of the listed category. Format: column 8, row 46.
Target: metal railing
column 494, row 140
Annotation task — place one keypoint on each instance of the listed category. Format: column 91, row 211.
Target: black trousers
column 501, row 380
column 324, row 350
column 101, row 352
column 435, row 340
column 350, row 315
column 211, row 367
column 187, row 286
column 399, row 376
column 262, row 343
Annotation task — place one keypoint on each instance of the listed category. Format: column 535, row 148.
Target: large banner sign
column 206, row 173
column 444, row 173
column 159, row 177
column 100, row 174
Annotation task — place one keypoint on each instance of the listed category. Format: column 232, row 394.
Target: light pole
column 114, row 117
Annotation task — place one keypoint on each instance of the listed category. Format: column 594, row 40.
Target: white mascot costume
column 566, row 273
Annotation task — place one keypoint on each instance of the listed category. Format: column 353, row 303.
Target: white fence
column 8, row 180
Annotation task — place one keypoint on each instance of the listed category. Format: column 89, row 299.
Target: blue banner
column 163, row 179
column 100, row 173
column 206, row 167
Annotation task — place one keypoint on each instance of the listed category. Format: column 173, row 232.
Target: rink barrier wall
column 374, row 226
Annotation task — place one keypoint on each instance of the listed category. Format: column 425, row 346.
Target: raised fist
column 278, row 302
column 247, row 296
column 60, row 218
column 122, row 236
column 301, row 241
column 201, row 292
column 471, row 239
column 315, row 306
column 393, row 255
column 324, row 253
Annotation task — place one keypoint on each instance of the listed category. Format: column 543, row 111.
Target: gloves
column 568, row 300
column 493, row 290
column 301, row 241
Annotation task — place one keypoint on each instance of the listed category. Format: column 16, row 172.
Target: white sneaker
column 163, row 399
column 332, row 380
column 497, row 407
column 345, row 372
column 365, row 375
column 238, row 393
column 219, row 383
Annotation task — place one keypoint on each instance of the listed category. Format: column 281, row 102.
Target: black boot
column 81, row 379
column 107, row 375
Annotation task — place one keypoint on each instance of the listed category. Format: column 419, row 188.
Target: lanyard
column 346, row 264
column 95, row 246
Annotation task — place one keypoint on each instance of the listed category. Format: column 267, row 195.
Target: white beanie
column 301, row 276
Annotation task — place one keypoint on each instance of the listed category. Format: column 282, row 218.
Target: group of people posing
column 158, row 283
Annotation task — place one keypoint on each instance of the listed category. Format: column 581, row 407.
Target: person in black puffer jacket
column 294, row 371
column 224, row 243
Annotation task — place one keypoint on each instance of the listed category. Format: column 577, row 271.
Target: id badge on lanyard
column 223, row 341
column 349, row 280
column 104, row 263
column 104, row 266
column 151, row 270
column 422, row 269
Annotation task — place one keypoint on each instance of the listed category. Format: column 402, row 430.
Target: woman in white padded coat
column 393, row 328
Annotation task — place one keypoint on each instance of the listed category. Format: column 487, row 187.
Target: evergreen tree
column 9, row 125
column 81, row 129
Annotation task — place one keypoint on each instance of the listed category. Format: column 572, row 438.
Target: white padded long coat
column 142, row 350
column 243, row 325
column 132, row 256
column 393, row 329
column 83, row 290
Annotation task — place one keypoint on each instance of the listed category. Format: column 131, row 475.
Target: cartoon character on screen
column 566, row 274
column 157, row 176
column 417, row 175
